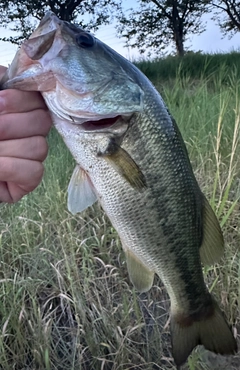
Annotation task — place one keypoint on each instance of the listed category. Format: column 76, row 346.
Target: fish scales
column 163, row 222
column 131, row 158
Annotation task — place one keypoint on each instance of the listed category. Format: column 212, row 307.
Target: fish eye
column 85, row 40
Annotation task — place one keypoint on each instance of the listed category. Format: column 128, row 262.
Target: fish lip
column 53, row 22
column 49, row 16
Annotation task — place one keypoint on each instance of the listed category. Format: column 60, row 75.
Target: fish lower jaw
column 99, row 124
column 114, row 125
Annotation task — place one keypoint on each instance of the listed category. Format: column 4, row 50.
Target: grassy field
column 66, row 300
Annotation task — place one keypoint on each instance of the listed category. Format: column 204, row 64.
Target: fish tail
column 207, row 327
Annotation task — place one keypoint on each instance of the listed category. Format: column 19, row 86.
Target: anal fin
column 81, row 193
column 140, row 275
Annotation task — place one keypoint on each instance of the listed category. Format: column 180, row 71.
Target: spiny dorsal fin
column 81, row 193
column 140, row 275
column 212, row 247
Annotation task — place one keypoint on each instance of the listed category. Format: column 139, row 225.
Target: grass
column 66, row 300
column 193, row 65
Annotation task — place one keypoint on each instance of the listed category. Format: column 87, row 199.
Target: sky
column 210, row 41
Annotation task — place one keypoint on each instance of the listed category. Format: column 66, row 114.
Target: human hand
column 24, row 123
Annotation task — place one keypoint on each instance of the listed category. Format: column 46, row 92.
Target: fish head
column 81, row 78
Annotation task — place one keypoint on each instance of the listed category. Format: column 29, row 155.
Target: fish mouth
column 117, row 125
column 100, row 124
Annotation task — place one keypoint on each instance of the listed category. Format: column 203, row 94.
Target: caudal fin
column 212, row 332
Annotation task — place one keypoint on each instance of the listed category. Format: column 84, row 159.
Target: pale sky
column 211, row 41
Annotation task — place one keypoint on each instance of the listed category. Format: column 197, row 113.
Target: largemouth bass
column 131, row 158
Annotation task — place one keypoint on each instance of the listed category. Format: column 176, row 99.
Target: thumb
column 2, row 71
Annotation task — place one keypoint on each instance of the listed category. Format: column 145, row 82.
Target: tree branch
column 162, row 8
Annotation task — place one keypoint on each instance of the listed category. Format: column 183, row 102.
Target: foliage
column 22, row 16
column 231, row 10
column 158, row 23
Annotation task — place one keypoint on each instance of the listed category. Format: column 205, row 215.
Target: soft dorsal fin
column 81, row 193
column 140, row 275
column 212, row 247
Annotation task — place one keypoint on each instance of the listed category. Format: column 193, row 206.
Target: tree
column 231, row 9
column 160, row 22
column 22, row 16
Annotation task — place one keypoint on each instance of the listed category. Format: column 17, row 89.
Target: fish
column 130, row 156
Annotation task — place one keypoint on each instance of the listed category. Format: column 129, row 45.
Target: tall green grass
column 194, row 66
column 66, row 300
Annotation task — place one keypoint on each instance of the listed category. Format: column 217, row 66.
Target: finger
column 16, row 191
column 34, row 148
column 2, row 71
column 15, row 101
column 11, row 192
column 21, row 171
column 4, row 193
column 14, row 126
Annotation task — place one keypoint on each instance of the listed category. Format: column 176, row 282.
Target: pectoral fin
column 212, row 247
column 81, row 193
column 140, row 275
column 122, row 162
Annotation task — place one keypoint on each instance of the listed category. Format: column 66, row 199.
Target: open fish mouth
column 114, row 126
column 100, row 124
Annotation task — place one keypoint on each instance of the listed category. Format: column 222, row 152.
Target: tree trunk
column 64, row 10
column 177, row 23
column 179, row 45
